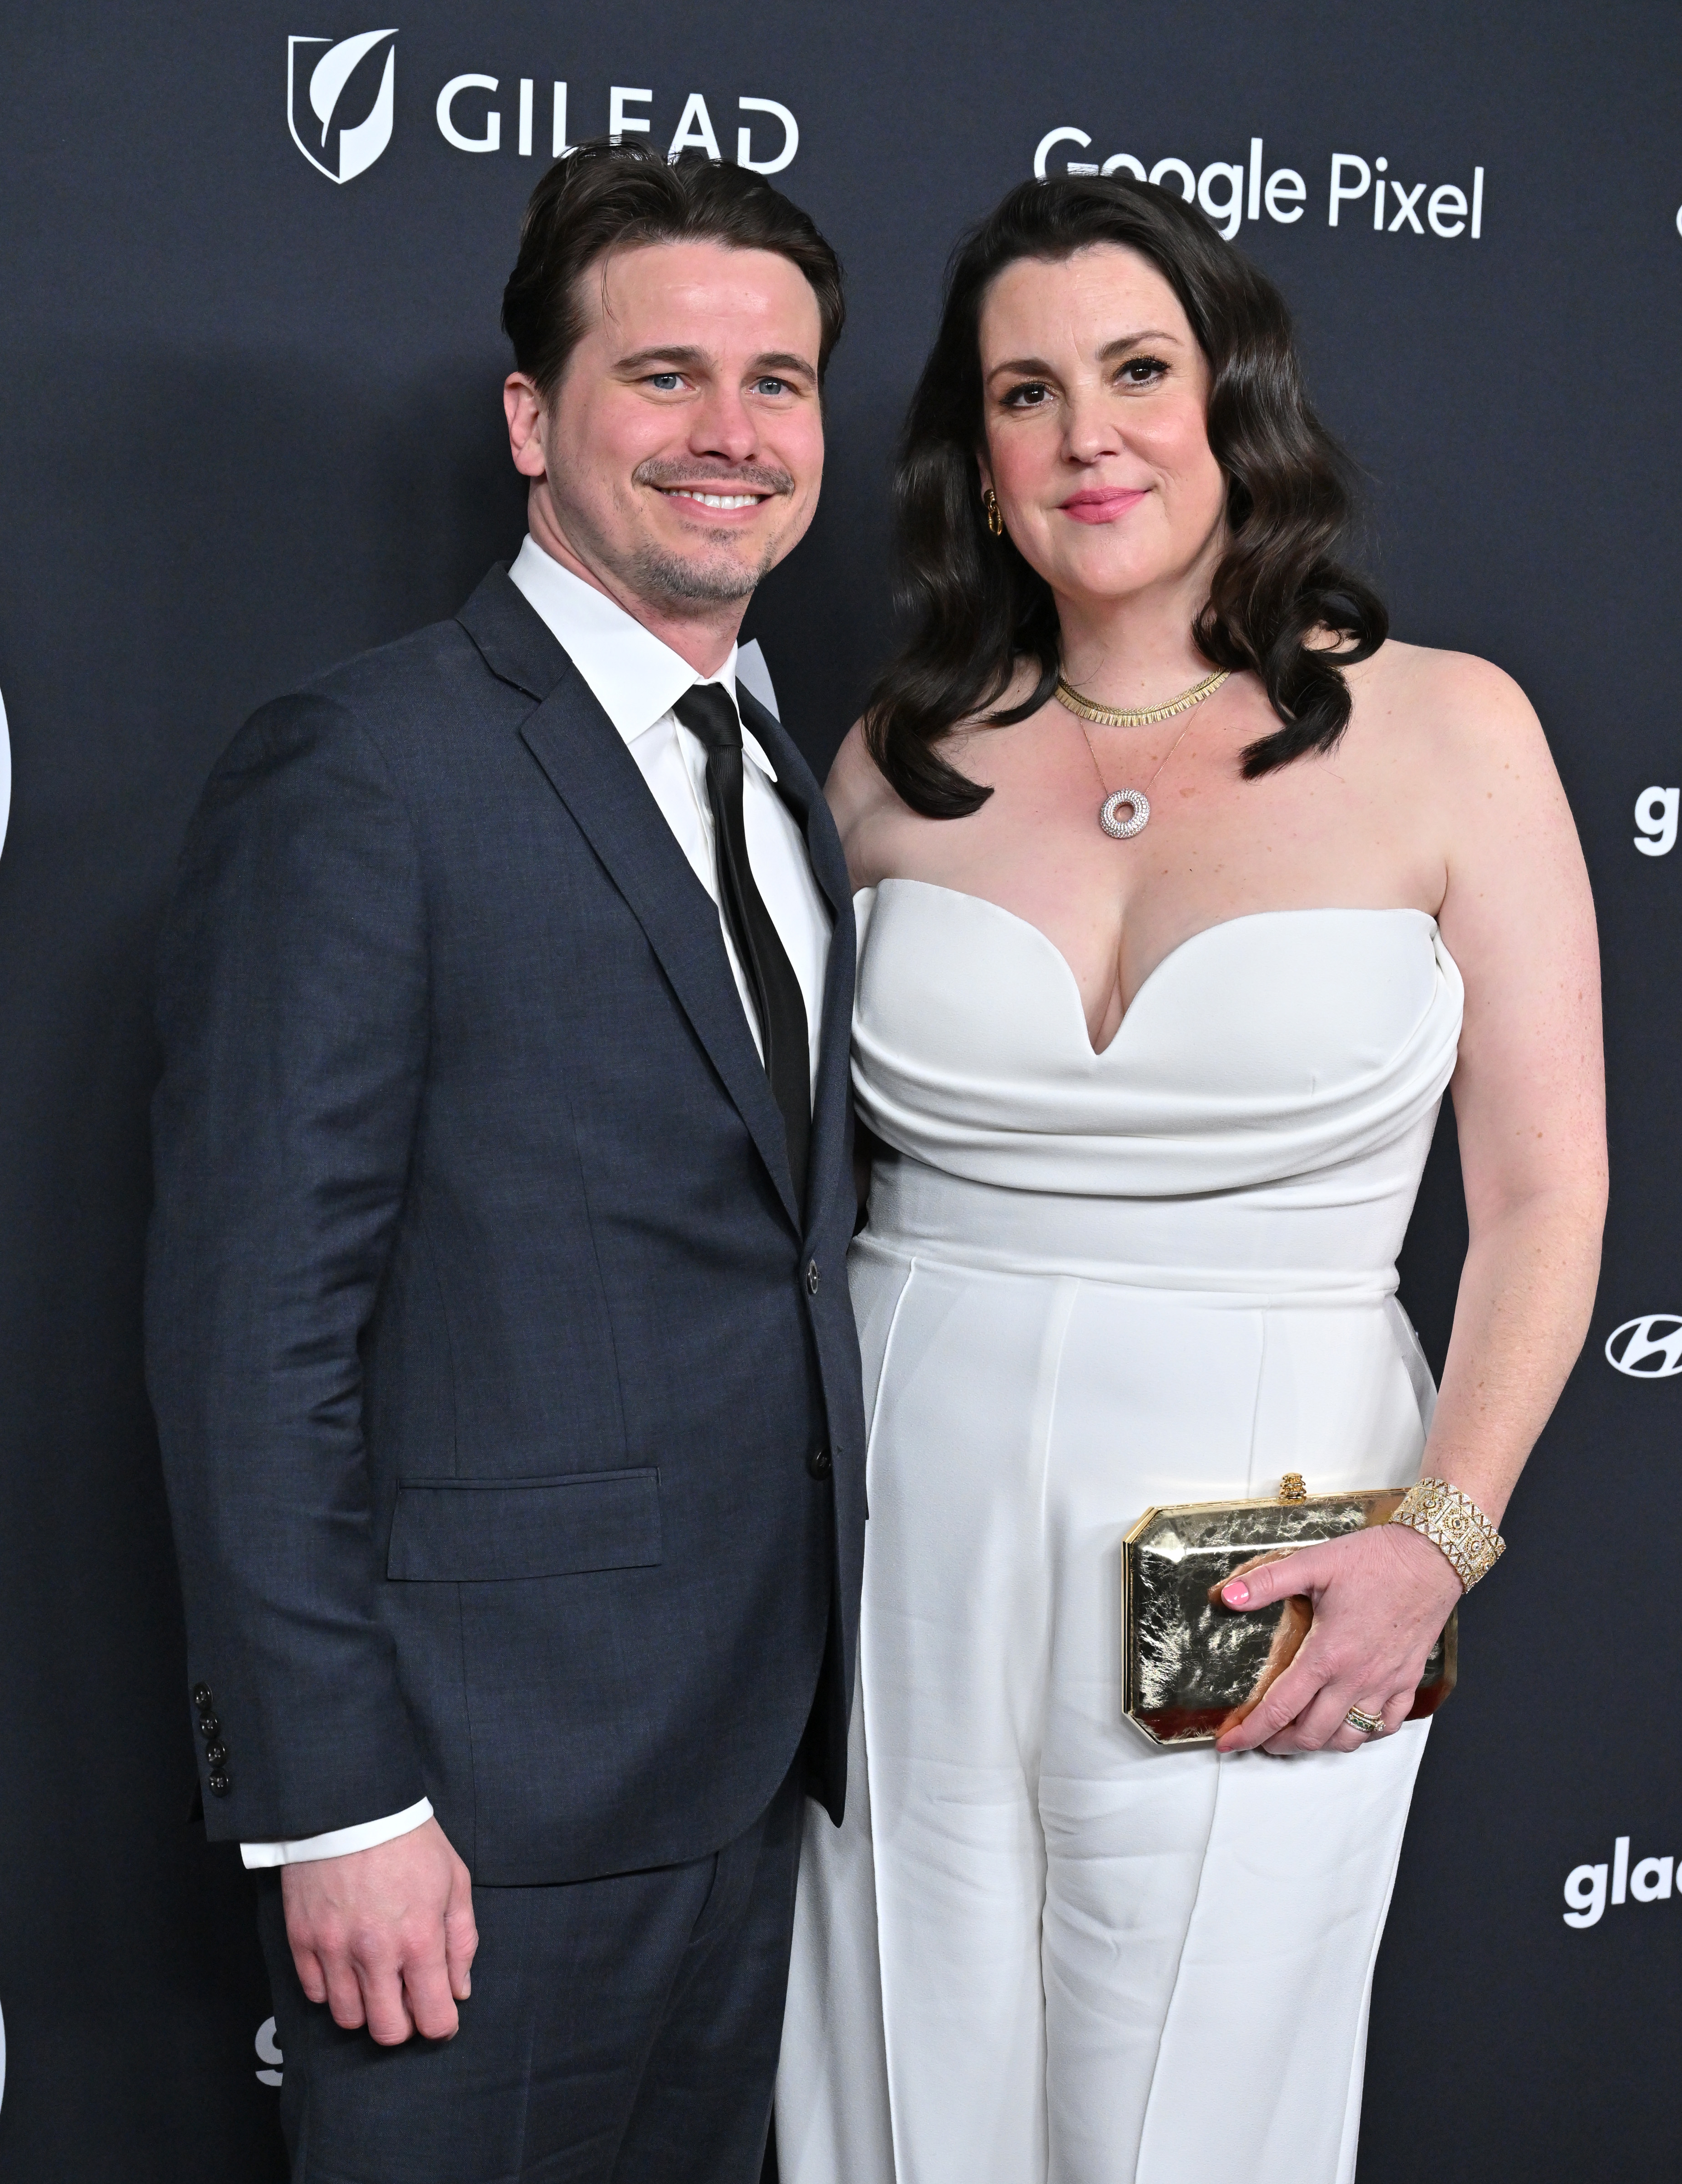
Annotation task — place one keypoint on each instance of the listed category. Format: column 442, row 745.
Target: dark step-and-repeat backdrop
column 250, row 260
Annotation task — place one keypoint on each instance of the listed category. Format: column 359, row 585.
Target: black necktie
column 710, row 716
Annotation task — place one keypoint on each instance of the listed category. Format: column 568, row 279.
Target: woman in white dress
column 1151, row 1104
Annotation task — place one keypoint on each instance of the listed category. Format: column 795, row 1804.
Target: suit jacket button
column 203, row 1698
column 210, row 1728
column 220, row 1785
column 216, row 1755
column 811, row 1276
column 818, row 1463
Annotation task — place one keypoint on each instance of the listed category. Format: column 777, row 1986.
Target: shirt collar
column 633, row 676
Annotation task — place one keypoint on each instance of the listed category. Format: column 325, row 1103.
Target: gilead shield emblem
column 339, row 101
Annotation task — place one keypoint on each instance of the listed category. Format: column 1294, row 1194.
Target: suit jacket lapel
column 589, row 768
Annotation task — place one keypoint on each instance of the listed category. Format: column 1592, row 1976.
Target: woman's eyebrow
column 1124, row 342
column 1033, row 367
column 1036, row 367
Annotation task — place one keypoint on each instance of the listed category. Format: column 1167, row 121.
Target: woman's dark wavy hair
column 977, row 609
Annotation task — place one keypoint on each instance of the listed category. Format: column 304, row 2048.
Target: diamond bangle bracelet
column 1453, row 1523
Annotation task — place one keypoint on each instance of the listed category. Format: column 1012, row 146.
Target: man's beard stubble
column 711, row 577
column 657, row 574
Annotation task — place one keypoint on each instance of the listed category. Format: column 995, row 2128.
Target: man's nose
column 723, row 425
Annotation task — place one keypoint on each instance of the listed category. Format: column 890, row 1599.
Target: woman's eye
column 1031, row 395
column 1142, row 371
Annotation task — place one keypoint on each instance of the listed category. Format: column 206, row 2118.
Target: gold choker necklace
column 1145, row 716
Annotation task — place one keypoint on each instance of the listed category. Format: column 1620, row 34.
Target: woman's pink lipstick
column 1102, row 503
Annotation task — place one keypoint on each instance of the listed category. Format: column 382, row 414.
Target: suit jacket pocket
column 475, row 1531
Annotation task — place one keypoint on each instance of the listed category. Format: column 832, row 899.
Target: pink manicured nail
column 1236, row 1594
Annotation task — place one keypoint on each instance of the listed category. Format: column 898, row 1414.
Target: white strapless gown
column 1041, row 1950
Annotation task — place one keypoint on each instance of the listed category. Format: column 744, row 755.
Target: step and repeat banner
column 252, row 260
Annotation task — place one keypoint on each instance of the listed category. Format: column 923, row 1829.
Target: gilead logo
column 342, row 103
column 1649, row 1880
column 325, row 87
column 469, row 117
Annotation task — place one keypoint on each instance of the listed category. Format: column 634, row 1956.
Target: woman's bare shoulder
column 1420, row 681
column 879, row 830
column 1443, row 709
column 863, row 802
column 856, row 785
column 1455, row 739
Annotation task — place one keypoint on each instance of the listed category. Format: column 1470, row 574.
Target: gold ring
column 1369, row 1724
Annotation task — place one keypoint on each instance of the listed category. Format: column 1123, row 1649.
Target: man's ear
column 527, row 415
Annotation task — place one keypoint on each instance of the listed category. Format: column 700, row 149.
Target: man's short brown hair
column 606, row 197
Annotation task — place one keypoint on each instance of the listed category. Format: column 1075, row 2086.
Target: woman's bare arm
column 1529, row 1095
column 1530, row 1101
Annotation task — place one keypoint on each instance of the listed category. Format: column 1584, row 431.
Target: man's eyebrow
column 786, row 362
column 639, row 360
column 676, row 357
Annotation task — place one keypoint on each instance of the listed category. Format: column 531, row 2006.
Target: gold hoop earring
column 995, row 522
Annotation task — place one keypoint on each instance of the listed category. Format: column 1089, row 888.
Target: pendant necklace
column 1111, row 717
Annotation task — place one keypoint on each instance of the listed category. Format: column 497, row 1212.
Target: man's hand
column 385, row 1936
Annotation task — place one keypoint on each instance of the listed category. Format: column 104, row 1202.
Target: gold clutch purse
column 1194, row 1667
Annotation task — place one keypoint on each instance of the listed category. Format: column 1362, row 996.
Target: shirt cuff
column 339, row 1843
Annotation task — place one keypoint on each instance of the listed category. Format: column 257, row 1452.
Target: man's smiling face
column 683, row 449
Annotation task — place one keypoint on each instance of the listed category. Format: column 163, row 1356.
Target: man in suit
column 498, row 1321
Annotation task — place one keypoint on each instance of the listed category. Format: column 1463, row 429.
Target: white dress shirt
column 636, row 680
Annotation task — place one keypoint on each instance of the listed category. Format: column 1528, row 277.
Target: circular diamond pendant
column 1138, row 818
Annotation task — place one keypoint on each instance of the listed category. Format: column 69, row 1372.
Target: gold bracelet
column 1452, row 1522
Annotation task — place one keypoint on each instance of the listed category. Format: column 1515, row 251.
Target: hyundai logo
column 1649, row 1348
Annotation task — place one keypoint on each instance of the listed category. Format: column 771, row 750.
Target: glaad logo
column 357, row 146
column 1649, row 1348
column 1648, row 1881
column 269, row 2053
column 1656, row 810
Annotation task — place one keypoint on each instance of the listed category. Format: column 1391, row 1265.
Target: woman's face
column 1095, row 393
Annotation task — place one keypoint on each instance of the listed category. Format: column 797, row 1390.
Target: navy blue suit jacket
column 509, row 1403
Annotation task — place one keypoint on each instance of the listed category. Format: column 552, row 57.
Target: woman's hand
column 1380, row 1597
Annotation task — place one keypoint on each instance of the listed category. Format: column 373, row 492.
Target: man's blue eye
column 664, row 380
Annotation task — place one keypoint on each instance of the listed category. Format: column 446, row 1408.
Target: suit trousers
column 622, row 2031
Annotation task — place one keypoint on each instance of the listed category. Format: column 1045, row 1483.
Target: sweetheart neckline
column 1221, row 925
